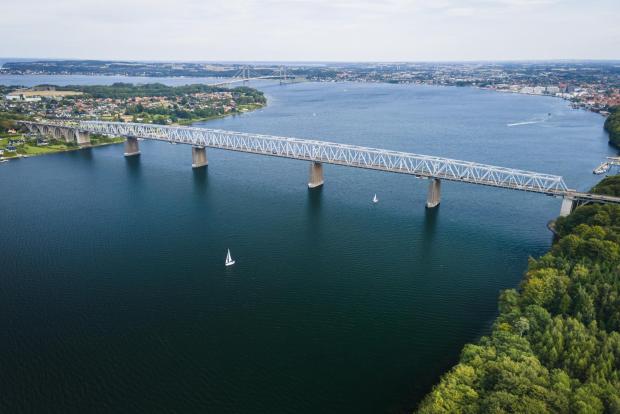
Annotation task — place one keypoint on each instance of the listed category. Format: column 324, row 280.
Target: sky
column 311, row 30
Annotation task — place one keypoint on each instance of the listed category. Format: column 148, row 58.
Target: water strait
column 114, row 296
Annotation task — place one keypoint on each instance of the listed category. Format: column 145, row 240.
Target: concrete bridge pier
column 66, row 133
column 131, row 147
column 199, row 157
column 40, row 130
column 316, row 175
column 568, row 205
column 58, row 134
column 82, row 138
column 434, row 193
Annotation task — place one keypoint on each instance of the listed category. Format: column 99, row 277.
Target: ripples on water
column 114, row 296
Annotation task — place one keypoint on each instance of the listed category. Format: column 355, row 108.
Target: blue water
column 114, row 296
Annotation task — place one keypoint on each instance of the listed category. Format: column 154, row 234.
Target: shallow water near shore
column 114, row 295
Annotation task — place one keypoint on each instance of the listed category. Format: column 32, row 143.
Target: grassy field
column 47, row 94
column 30, row 147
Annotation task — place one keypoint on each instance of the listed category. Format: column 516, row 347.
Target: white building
column 22, row 98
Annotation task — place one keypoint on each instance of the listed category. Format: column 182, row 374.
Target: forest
column 555, row 346
column 612, row 126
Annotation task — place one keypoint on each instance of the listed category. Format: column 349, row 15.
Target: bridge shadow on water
column 313, row 208
column 201, row 181
column 315, row 195
column 429, row 226
column 134, row 168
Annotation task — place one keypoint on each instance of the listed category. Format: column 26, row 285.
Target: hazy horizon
column 315, row 62
column 313, row 31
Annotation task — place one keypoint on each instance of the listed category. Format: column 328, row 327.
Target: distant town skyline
column 319, row 30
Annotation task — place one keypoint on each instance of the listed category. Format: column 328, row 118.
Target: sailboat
column 375, row 199
column 229, row 260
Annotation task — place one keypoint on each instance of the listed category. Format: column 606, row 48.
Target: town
column 593, row 86
column 149, row 103
column 124, row 102
column 589, row 85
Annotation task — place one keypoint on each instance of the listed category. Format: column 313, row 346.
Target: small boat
column 602, row 169
column 229, row 260
column 375, row 199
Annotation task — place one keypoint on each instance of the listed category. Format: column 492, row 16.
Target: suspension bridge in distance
column 317, row 153
column 246, row 74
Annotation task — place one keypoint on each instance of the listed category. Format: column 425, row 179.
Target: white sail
column 229, row 260
column 375, row 199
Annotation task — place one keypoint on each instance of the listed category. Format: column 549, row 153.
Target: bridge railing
column 341, row 154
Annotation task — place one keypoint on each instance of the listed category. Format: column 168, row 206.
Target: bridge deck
column 423, row 166
column 340, row 154
column 593, row 197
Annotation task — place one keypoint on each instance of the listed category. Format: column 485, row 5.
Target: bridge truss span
column 422, row 166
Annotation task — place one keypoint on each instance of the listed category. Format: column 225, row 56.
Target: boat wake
column 524, row 123
column 533, row 121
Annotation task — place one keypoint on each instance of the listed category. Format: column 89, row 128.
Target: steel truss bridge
column 322, row 152
column 341, row 154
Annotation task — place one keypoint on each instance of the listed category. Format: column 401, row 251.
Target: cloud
column 311, row 29
column 461, row 11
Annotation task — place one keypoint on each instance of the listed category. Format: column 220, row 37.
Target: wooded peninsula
column 555, row 346
column 612, row 126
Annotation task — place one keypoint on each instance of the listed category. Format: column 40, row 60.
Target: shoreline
column 485, row 88
column 318, row 81
column 519, row 340
column 217, row 117
column 21, row 156
column 571, row 103
column 192, row 121
column 189, row 122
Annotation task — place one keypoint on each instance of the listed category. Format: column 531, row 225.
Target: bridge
column 246, row 74
column 244, row 79
column 317, row 153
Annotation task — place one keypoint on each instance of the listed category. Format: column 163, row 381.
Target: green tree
column 555, row 346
